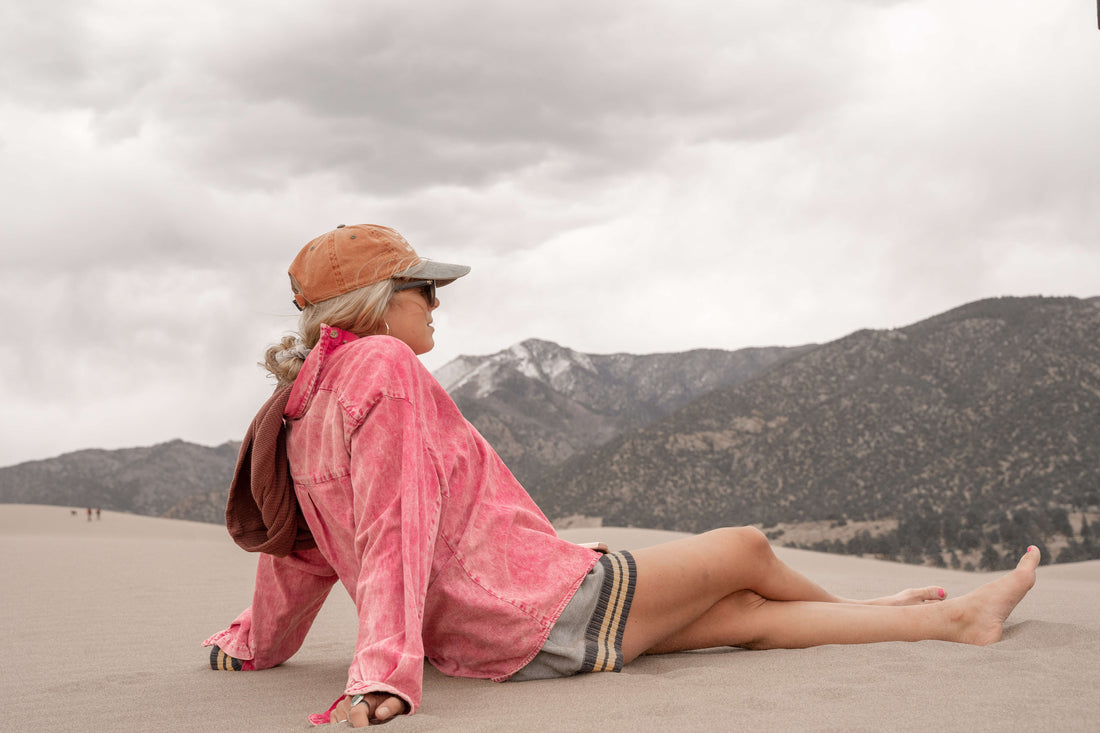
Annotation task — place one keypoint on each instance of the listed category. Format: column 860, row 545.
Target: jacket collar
column 305, row 385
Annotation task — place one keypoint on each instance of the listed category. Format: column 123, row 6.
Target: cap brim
column 442, row 272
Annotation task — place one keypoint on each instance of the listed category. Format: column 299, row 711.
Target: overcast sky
column 622, row 175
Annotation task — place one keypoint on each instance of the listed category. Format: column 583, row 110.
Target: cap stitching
column 336, row 266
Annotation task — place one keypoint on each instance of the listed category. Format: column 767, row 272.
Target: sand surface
column 103, row 622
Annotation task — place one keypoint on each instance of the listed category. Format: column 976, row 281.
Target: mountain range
column 540, row 404
column 948, row 441
column 152, row 481
column 972, row 430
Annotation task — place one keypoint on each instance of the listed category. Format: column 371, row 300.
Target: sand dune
column 104, row 621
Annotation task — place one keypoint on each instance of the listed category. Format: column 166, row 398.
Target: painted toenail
column 943, row 593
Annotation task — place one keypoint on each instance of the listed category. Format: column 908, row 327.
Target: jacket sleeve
column 288, row 594
column 397, row 503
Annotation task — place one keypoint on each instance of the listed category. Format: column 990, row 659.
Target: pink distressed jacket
column 443, row 552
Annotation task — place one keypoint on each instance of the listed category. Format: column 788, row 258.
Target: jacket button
column 333, row 333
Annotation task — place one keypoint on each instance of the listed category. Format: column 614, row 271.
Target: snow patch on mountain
column 539, row 360
column 454, row 373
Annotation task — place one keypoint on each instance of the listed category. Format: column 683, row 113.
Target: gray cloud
column 392, row 99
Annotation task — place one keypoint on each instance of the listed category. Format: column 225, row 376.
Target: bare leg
column 727, row 589
column 679, row 581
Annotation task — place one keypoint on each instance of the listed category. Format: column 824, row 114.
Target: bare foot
column 980, row 615
column 909, row 597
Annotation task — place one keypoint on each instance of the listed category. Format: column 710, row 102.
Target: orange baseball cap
column 351, row 257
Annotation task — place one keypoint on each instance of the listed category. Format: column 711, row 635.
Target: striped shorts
column 588, row 636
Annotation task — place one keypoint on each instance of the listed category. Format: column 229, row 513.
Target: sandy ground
column 104, row 621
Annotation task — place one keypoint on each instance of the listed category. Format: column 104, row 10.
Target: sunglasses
column 426, row 288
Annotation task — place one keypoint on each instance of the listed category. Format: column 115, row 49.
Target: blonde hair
column 361, row 311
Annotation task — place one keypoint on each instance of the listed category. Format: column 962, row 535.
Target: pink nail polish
column 943, row 594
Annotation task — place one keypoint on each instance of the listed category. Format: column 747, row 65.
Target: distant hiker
column 89, row 514
column 97, row 514
column 361, row 469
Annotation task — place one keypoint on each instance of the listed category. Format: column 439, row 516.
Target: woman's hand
column 374, row 708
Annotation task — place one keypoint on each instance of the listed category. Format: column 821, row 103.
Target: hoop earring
column 387, row 328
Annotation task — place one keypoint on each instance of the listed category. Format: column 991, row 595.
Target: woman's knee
column 745, row 542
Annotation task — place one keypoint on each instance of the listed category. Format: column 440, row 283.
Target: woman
column 391, row 492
